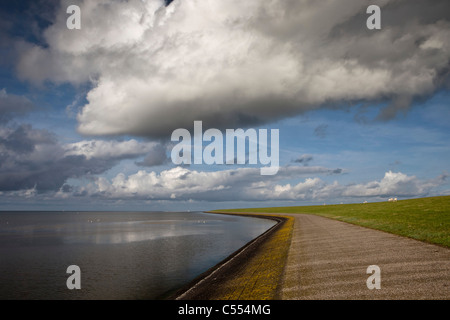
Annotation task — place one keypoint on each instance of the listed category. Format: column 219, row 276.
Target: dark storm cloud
column 27, row 19
column 156, row 156
column 33, row 158
column 416, row 31
column 304, row 159
column 12, row 105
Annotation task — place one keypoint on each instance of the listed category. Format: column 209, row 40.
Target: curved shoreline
column 314, row 258
column 253, row 272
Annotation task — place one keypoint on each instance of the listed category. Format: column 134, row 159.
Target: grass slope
column 425, row 219
column 254, row 274
column 260, row 277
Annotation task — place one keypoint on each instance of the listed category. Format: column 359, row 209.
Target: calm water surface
column 122, row 255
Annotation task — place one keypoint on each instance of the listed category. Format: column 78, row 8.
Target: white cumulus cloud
column 246, row 184
column 235, row 63
column 113, row 149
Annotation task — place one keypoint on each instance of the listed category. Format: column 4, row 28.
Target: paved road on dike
column 328, row 259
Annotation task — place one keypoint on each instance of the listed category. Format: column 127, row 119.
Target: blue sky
column 86, row 115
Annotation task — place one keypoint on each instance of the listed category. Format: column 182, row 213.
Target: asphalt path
column 328, row 259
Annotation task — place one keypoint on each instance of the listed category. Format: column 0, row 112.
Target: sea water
column 121, row 255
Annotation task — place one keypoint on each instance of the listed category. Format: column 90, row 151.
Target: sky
column 86, row 115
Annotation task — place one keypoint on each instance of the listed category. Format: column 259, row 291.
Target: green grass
column 259, row 278
column 425, row 219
